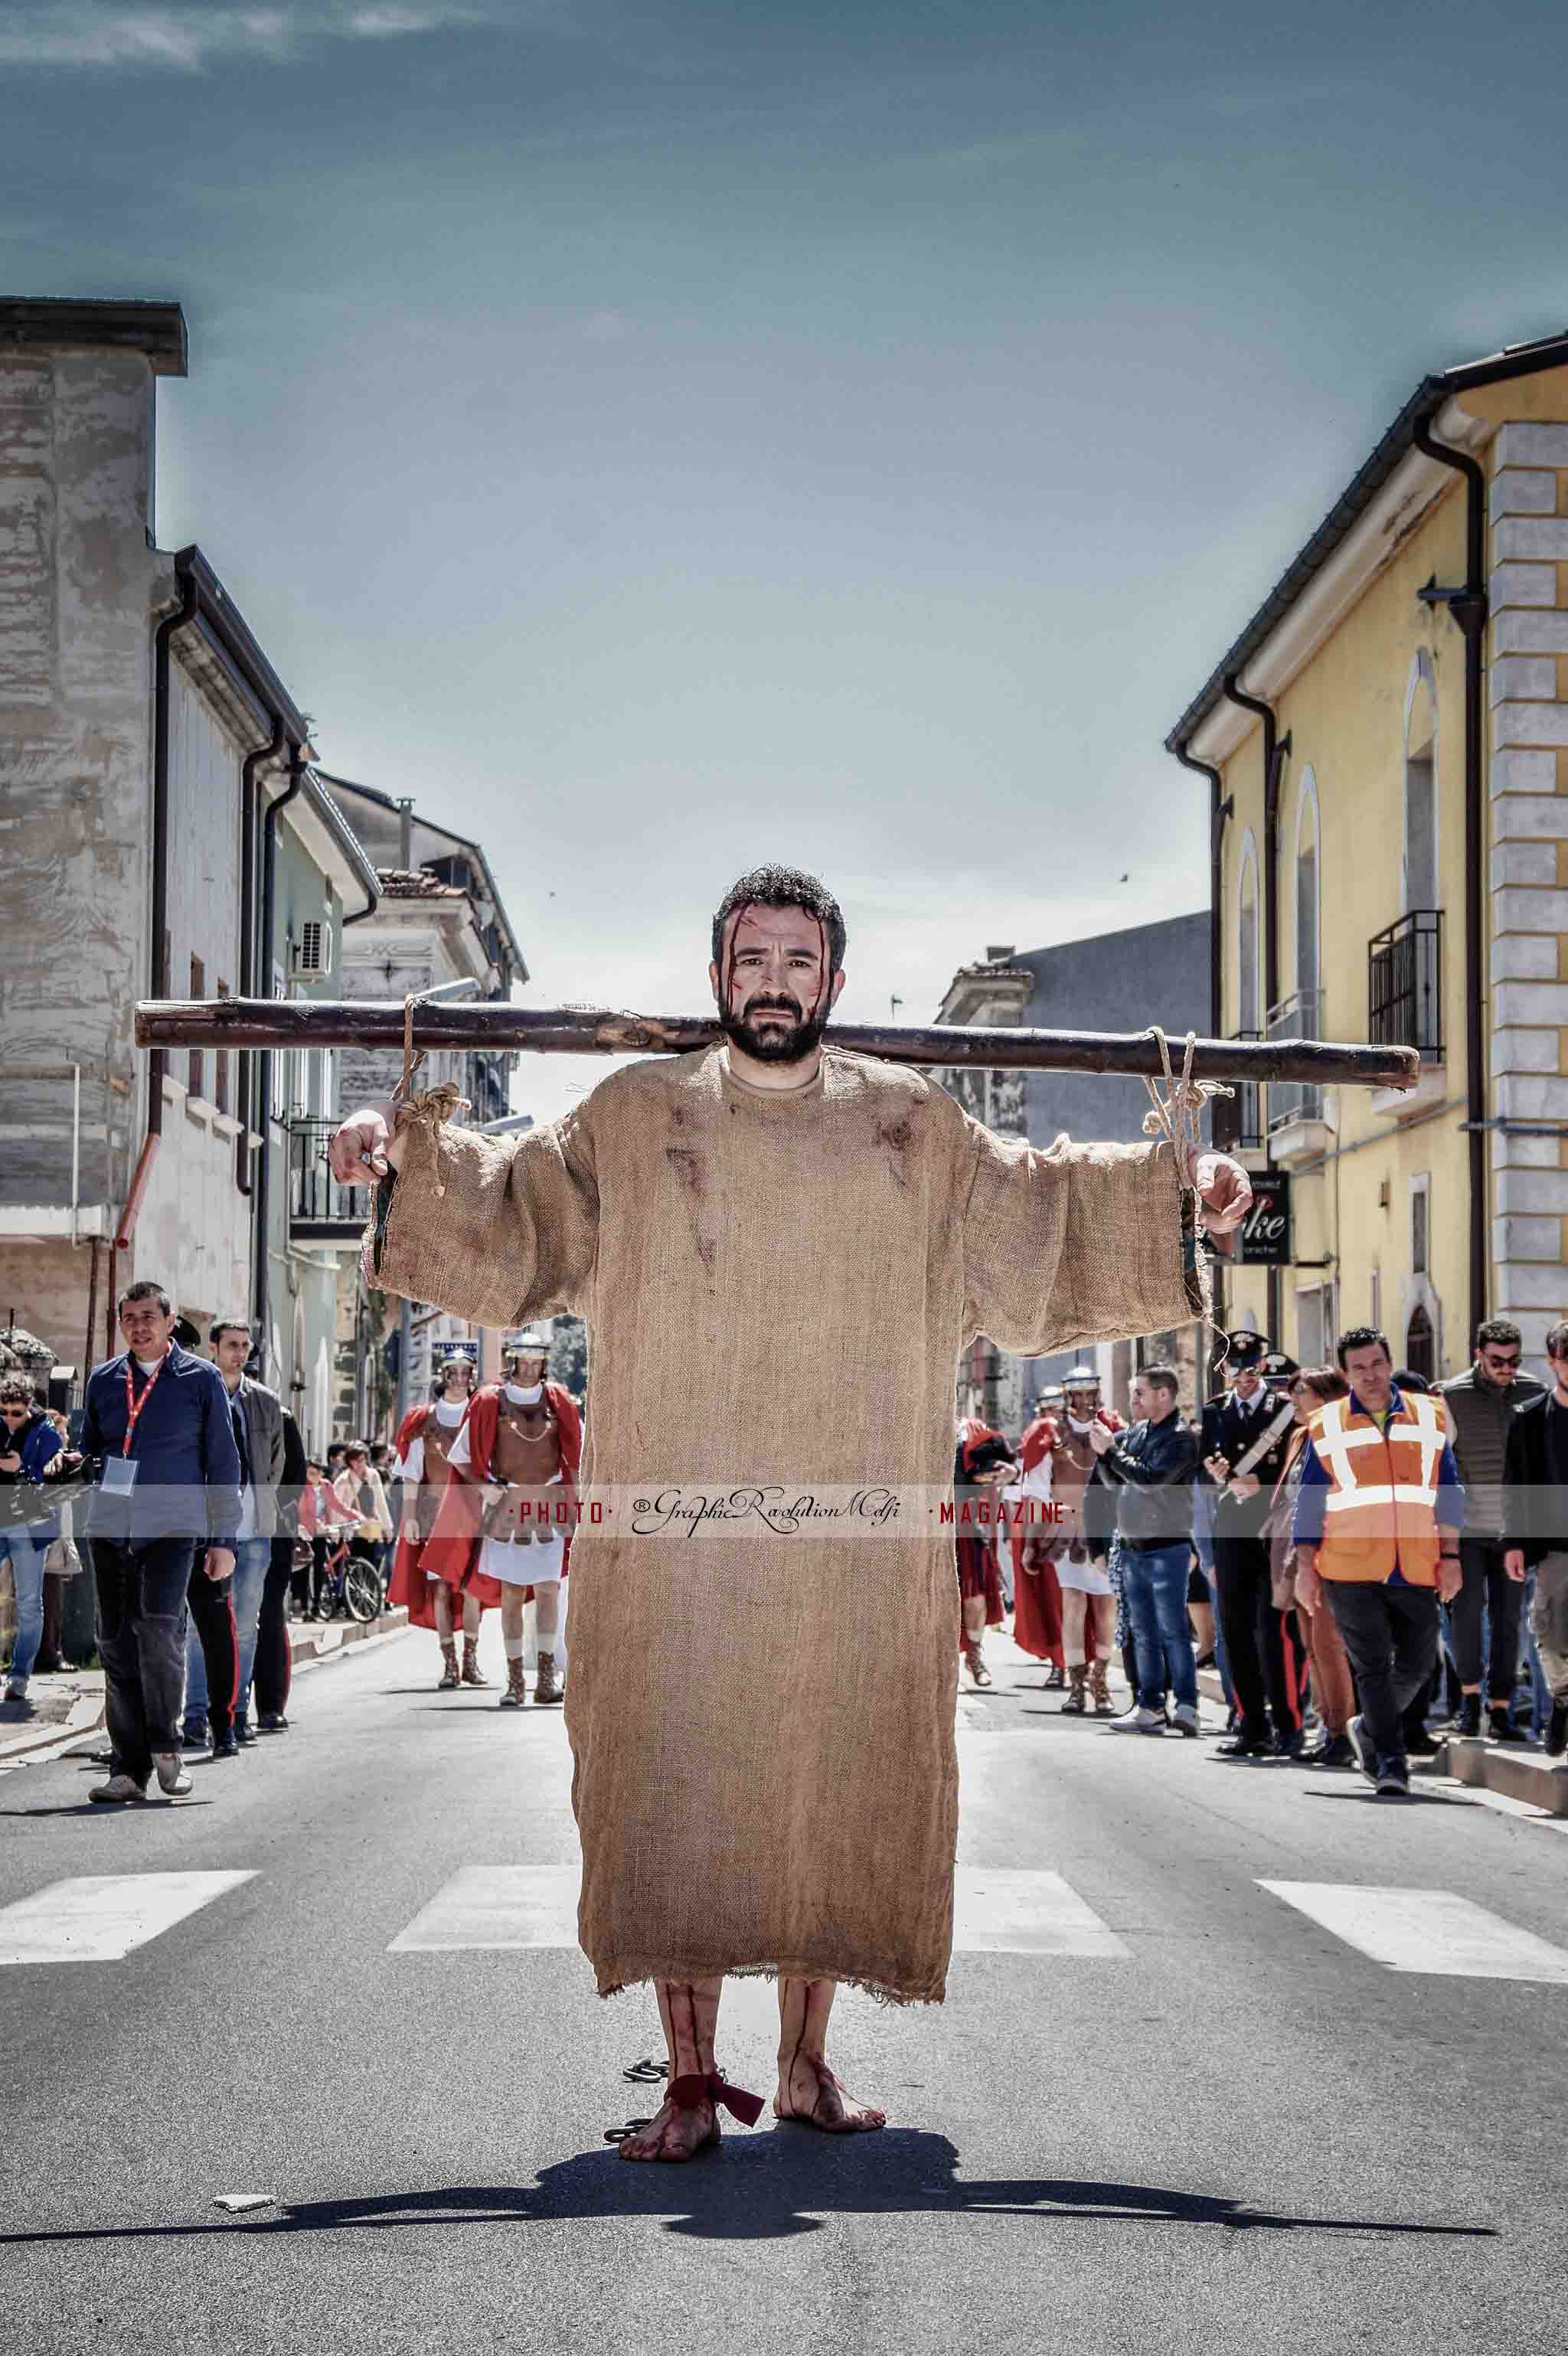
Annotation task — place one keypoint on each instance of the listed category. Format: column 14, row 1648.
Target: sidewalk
column 72, row 1704
column 1517, row 1772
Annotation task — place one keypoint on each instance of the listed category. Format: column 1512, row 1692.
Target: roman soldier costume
column 426, row 1438
column 507, row 1515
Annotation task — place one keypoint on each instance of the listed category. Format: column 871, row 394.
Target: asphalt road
column 1208, row 2121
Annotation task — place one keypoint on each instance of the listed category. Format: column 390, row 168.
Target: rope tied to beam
column 1178, row 1116
column 429, row 1106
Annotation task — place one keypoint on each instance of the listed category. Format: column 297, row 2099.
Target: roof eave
column 1430, row 398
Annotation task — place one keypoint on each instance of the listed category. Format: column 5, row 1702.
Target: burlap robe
column 777, row 1287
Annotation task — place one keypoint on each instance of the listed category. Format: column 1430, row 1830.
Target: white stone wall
column 1529, row 872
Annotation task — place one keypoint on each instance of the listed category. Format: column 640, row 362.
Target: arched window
column 1249, row 984
column 1420, row 1354
column 1420, row 879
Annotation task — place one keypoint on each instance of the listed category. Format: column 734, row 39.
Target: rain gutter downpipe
column 159, row 961
column 184, row 612
column 1219, row 809
column 1274, row 750
column 264, row 1060
column 248, row 943
column 1468, row 608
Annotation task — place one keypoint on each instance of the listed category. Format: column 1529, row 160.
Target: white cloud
column 101, row 33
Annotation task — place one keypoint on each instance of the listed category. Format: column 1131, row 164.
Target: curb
column 312, row 1644
column 84, row 1717
column 1518, row 1775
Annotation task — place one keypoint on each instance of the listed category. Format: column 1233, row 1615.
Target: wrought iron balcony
column 1404, row 983
column 320, row 1210
column 1296, row 1017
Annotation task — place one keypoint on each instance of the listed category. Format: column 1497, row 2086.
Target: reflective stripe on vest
column 1373, row 1525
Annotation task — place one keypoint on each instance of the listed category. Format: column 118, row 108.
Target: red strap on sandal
column 687, row 2093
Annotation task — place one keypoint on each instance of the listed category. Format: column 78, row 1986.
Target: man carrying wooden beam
column 761, row 1708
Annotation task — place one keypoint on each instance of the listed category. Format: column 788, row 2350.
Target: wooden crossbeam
column 269, row 1022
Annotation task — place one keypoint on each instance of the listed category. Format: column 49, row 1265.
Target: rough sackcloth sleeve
column 1066, row 1243
column 499, row 1230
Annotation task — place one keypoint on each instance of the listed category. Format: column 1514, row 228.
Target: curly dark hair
column 783, row 887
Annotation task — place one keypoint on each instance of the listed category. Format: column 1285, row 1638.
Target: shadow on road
column 764, row 2188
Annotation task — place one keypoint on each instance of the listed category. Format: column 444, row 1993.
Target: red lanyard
column 133, row 1406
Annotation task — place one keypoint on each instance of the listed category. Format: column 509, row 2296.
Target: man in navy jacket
column 158, row 1419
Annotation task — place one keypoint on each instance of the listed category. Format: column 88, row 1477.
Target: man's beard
column 789, row 1044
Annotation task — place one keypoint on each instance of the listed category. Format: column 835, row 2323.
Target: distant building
column 166, row 837
column 1112, row 981
column 440, row 920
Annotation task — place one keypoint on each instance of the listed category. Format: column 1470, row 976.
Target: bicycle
column 348, row 1580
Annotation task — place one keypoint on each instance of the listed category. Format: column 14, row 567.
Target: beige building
column 1387, row 745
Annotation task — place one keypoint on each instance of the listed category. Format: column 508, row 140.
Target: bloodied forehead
column 755, row 928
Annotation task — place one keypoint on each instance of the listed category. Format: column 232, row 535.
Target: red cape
column 452, row 1550
column 1037, row 1599
column 409, row 1584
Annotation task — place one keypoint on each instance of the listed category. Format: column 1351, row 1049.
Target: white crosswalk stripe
column 1425, row 1930
column 99, row 1917
column 497, row 1906
column 1011, row 1913
column 994, row 1912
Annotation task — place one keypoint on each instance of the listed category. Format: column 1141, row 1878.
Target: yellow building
column 1387, row 745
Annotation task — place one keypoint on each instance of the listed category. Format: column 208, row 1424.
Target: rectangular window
column 1315, row 1325
column 197, row 1075
column 1420, row 1200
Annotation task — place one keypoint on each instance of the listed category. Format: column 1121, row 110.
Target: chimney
column 1002, row 955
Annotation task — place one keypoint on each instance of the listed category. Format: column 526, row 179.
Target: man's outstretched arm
column 496, row 1229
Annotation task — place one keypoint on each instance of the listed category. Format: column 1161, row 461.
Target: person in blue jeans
column 1151, row 1469
column 28, row 1442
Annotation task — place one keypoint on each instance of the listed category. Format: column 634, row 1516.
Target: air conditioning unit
column 313, row 950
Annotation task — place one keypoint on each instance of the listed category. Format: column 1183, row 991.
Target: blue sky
column 664, row 437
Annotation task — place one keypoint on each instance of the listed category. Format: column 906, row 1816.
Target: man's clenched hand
column 363, row 1148
column 1224, row 1190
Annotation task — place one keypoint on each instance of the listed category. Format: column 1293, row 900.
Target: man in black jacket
column 1263, row 1665
column 1150, row 1469
column 1535, row 1527
column 1481, row 1404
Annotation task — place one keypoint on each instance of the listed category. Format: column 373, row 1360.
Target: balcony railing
column 1296, row 1017
column 1404, row 983
column 320, row 1210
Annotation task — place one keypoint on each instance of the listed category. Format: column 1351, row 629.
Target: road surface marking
column 1008, row 1912
column 497, row 1906
column 1425, row 1930
column 99, row 1917
column 1001, row 1912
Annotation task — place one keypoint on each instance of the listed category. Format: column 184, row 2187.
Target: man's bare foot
column 809, row 2092
column 675, row 2133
